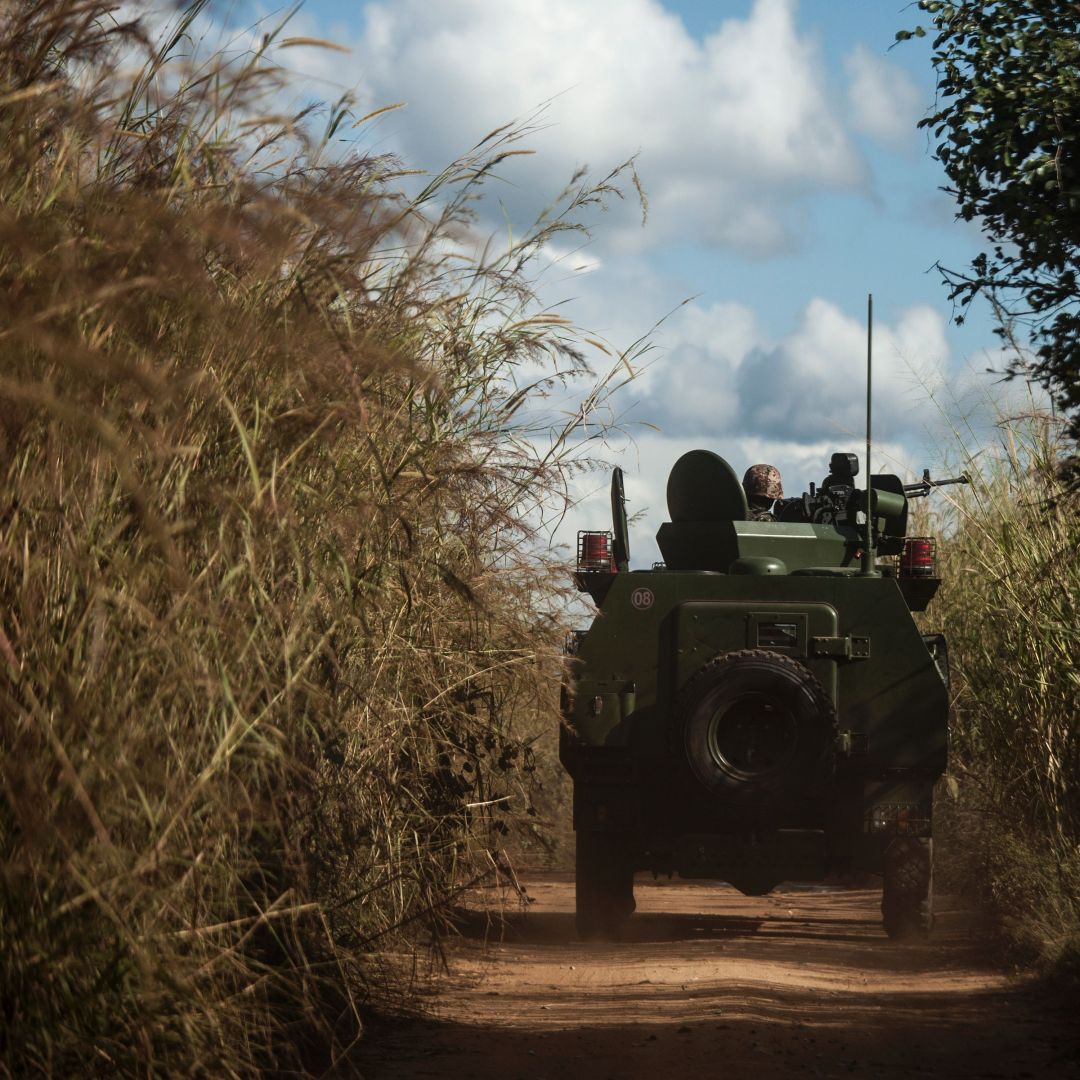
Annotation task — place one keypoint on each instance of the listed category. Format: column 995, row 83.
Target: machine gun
column 838, row 500
column 924, row 486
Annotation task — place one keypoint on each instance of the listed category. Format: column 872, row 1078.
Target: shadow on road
column 766, row 1047
column 557, row 928
column 708, row 982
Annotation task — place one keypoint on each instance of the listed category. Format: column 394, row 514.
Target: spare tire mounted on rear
column 758, row 727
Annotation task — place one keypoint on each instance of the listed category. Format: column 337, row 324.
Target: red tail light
column 594, row 552
column 918, row 559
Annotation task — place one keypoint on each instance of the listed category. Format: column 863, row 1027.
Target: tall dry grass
column 1010, row 607
column 274, row 629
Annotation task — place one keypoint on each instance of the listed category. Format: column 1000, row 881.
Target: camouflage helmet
column 763, row 481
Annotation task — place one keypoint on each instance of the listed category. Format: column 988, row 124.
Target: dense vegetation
column 1008, row 131
column 1008, row 121
column 274, row 629
column 1010, row 608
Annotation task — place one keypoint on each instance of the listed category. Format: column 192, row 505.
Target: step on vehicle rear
column 762, row 706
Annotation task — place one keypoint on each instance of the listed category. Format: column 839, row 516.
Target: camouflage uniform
column 763, row 487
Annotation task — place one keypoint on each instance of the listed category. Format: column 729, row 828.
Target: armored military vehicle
column 760, row 707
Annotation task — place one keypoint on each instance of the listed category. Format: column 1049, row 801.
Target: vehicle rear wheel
column 604, row 880
column 907, row 911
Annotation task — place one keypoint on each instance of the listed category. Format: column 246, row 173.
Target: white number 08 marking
column 642, row 599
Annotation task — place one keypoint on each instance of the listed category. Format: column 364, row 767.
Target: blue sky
column 776, row 140
column 884, row 239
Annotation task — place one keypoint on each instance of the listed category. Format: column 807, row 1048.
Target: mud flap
column 604, row 883
column 907, row 895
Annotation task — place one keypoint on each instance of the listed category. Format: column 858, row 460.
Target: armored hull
column 760, row 708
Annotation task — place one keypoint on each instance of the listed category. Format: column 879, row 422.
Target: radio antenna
column 868, row 560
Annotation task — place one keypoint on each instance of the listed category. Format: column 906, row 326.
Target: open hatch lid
column 620, row 544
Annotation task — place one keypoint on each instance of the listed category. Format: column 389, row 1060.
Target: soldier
column 763, row 488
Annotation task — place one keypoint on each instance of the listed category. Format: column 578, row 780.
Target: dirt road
column 709, row 983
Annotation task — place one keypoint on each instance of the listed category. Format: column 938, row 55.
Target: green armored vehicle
column 761, row 706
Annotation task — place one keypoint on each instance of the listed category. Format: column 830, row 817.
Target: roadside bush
column 1010, row 606
column 274, row 628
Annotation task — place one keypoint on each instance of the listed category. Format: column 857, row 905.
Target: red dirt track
column 709, row 983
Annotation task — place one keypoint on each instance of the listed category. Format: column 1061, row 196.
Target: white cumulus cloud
column 721, row 384
column 883, row 98
column 735, row 131
column 721, row 376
